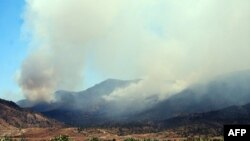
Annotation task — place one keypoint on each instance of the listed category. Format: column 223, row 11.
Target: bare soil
column 44, row 134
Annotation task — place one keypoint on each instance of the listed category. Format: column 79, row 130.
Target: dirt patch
column 40, row 134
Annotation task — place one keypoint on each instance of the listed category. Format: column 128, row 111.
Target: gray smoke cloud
column 59, row 32
column 169, row 44
column 184, row 43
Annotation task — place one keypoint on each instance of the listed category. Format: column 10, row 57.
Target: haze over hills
column 199, row 110
column 209, row 123
column 170, row 45
column 80, row 108
column 191, row 58
column 88, row 108
column 224, row 91
column 229, row 115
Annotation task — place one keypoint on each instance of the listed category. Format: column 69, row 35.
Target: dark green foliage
column 150, row 140
column 6, row 138
column 131, row 139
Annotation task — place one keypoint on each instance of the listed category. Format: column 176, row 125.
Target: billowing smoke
column 169, row 44
column 178, row 44
column 60, row 32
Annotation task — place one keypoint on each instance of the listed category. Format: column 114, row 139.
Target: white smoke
column 60, row 32
column 169, row 44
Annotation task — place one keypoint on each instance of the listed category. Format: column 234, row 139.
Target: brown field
column 35, row 134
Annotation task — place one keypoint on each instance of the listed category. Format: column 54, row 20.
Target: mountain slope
column 232, row 89
column 84, row 108
column 209, row 122
column 11, row 115
column 88, row 108
column 229, row 115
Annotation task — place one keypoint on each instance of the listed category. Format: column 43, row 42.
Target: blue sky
column 13, row 49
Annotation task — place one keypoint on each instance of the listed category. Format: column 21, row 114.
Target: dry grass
column 38, row 134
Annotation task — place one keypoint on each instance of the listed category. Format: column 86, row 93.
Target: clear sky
column 13, row 49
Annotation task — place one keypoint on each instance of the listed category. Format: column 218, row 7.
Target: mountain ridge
column 88, row 108
column 13, row 116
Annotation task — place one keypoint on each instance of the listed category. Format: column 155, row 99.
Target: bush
column 131, row 139
column 94, row 139
column 6, row 139
column 150, row 140
column 22, row 139
column 61, row 138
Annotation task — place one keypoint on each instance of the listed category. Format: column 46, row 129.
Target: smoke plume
column 60, row 32
column 169, row 44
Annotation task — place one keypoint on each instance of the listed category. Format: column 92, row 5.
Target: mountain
column 224, row 91
column 228, row 115
column 87, row 98
column 209, row 122
column 12, row 116
column 84, row 108
column 88, row 108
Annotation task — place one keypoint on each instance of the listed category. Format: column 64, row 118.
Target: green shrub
column 61, row 138
column 150, row 140
column 6, row 139
column 131, row 139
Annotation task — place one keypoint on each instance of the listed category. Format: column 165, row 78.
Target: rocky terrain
column 12, row 117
